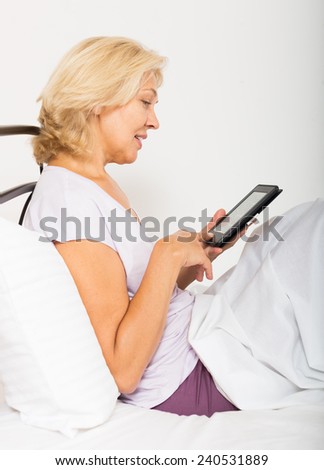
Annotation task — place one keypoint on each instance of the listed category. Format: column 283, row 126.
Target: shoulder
column 62, row 191
column 59, row 180
column 66, row 206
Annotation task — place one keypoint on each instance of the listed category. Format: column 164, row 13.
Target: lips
column 139, row 139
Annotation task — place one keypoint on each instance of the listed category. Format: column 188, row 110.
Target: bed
column 46, row 398
column 130, row 427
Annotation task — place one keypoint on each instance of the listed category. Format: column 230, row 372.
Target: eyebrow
column 151, row 89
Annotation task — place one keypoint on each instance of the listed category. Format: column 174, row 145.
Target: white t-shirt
column 66, row 206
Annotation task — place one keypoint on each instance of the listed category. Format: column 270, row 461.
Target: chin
column 124, row 158
column 129, row 159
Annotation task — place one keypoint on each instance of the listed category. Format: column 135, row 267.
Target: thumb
column 217, row 216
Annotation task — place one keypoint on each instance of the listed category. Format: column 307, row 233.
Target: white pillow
column 51, row 364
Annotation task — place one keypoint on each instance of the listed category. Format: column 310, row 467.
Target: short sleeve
column 68, row 213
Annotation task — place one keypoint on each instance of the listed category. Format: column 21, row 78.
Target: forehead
column 149, row 84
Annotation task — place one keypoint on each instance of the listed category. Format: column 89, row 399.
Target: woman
column 97, row 109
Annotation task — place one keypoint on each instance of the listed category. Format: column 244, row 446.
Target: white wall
column 242, row 102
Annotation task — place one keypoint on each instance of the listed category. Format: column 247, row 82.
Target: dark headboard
column 16, row 191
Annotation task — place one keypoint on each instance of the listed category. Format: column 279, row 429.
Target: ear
column 97, row 110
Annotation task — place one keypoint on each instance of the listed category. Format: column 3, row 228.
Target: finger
column 218, row 215
column 208, row 269
column 200, row 274
column 206, row 235
column 213, row 252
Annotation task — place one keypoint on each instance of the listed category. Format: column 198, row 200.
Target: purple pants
column 197, row 395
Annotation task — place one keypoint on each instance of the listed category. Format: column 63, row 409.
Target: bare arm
column 128, row 331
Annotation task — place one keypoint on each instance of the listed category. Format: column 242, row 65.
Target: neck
column 89, row 167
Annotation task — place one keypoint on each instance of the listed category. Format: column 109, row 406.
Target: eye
column 146, row 103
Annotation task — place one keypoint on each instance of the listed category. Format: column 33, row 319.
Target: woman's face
column 122, row 130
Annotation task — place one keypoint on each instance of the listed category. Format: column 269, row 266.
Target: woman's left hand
column 211, row 251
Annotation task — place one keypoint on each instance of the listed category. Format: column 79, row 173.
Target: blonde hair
column 99, row 71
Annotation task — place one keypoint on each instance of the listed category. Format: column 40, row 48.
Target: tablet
column 238, row 217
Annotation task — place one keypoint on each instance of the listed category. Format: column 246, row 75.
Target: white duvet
column 260, row 328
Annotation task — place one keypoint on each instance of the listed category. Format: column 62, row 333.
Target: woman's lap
column 196, row 395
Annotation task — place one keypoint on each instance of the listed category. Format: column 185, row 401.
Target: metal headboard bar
column 12, row 193
column 17, row 130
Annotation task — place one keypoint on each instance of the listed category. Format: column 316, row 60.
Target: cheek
column 121, row 127
column 134, row 118
column 114, row 133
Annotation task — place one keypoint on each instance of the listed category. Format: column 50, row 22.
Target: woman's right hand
column 187, row 247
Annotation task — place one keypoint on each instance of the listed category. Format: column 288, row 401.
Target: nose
column 152, row 121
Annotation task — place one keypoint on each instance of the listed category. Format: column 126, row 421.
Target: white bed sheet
column 130, row 427
column 265, row 319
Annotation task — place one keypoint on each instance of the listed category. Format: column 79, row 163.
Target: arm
column 128, row 331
